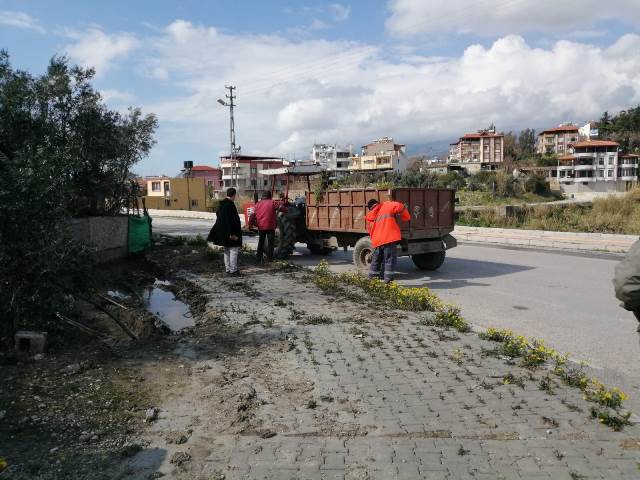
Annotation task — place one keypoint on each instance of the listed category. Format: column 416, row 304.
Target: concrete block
column 30, row 343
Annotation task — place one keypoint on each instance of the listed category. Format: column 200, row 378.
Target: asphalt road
column 563, row 298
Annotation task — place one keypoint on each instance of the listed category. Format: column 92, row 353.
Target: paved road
column 563, row 298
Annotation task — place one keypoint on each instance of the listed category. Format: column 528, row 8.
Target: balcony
column 585, row 167
column 239, row 176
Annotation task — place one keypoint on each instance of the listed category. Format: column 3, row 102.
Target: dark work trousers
column 268, row 235
column 383, row 262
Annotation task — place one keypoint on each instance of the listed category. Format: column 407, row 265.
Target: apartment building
column 557, row 139
column 157, row 186
column 382, row 154
column 212, row 176
column 334, row 159
column 244, row 173
column 595, row 166
column 472, row 152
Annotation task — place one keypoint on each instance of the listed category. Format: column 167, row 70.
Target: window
column 610, row 160
column 209, row 183
column 194, row 203
column 601, row 173
column 155, row 186
column 167, row 202
column 254, row 170
column 601, row 161
column 166, row 187
column 609, row 173
column 265, row 182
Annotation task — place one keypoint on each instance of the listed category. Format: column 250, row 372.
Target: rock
column 246, row 393
column 85, row 437
column 268, row 434
column 151, row 415
column 71, row 369
column 180, row 458
column 30, row 343
column 54, row 450
column 38, row 356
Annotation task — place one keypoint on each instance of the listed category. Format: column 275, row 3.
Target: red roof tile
column 562, row 128
column 203, row 168
column 595, row 143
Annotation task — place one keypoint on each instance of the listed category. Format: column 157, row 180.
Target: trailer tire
column 285, row 234
column 362, row 253
column 429, row 261
column 319, row 250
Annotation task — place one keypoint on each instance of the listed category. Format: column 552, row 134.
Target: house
column 185, row 193
column 157, row 186
column 380, row 155
column 244, row 174
column 557, row 139
column 473, row 152
column 595, row 166
column 212, row 176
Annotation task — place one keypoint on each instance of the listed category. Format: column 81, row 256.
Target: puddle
column 173, row 313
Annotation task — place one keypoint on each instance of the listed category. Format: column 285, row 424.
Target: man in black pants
column 264, row 217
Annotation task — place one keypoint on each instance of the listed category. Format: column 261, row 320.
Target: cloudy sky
column 422, row 71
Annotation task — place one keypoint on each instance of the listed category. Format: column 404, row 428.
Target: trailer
column 334, row 219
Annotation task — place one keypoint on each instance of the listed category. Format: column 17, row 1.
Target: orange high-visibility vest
column 382, row 222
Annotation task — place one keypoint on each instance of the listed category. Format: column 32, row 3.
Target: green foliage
column 623, row 128
column 64, row 155
column 537, row 184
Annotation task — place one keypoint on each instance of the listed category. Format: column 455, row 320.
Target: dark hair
column 371, row 203
column 266, row 194
column 231, row 192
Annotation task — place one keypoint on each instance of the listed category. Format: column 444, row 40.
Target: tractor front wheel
column 285, row 237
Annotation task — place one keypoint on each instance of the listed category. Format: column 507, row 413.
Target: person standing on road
column 264, row 217
column 626, row 281
column 382, row 224
column 227, row 232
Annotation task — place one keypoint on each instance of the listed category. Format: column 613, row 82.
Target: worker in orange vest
column 382, row 224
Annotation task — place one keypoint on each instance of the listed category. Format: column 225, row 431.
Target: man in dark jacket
column 264, row 217
column 227, row 232
column 626, row 281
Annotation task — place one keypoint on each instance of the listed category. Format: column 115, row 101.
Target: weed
column 462, row 451
column 550, row 421
column 280, row 303
column 197, row 241
column 596, row 392
column 457, row 356
column 268, row 323
column 558, row 454
column 372, row 343
column 546, row 385
column 316, row 320
column 326, row 398
column 576, row 476
column 360, row 358
column 296, row 315
column 312, row 404
column 612, row 419
column 511, row 379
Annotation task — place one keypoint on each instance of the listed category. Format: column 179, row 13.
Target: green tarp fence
column 139, row 233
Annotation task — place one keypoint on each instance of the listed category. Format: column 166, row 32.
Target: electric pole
column 233, row 150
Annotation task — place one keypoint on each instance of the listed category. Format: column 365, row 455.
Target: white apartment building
column 244, row 173
column 472, row 152
column 595, row 166
column 334, row 159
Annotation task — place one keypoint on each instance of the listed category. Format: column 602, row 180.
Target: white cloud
column 491, row 17
column 111, row 95
column 98, row 49
column 340, row 12
column 20, row 20
column 290, row 94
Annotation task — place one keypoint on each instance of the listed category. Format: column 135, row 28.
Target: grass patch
column 197, row 241
column 316, row 320
column 612, row 419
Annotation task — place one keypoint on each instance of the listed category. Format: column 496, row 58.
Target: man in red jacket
column 264, row 217
column 382, row 224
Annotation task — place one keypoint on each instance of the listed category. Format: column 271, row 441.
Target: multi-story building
column 595, row 166
column 589, row 131
column 483, row 150
column 212, row 176
column 382, row 154
column 335, row 160
column 244, row 173
column 556, row 140
column 185, row 194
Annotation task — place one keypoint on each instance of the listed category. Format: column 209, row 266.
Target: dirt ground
column 277, row 380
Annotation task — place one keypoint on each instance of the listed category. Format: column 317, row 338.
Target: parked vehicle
column 336, row 218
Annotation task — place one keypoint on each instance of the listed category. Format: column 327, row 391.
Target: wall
column 108, row 234
column 183, row 192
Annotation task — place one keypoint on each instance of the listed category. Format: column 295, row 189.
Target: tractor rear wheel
column 362, row 253
column 285, row 237
column 429, row 261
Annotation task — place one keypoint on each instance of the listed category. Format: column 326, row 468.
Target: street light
column 232, row 134
column 222, row 102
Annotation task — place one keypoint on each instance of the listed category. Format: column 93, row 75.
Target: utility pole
column 233, row 150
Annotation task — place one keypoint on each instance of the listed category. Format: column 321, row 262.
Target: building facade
column 212, row 176
column 185, row 194
column 244, row 173
column 595, row 166
column 483, row 150
column 557, row 140
column 381, row 155
column 159, row 186
column 331, row 157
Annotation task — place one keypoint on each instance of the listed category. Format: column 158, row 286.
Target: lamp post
column 233, row 150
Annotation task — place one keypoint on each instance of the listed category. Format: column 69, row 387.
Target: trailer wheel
column 319, row 250
column 362, row 253
column 429, row 261
column 285, row 237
